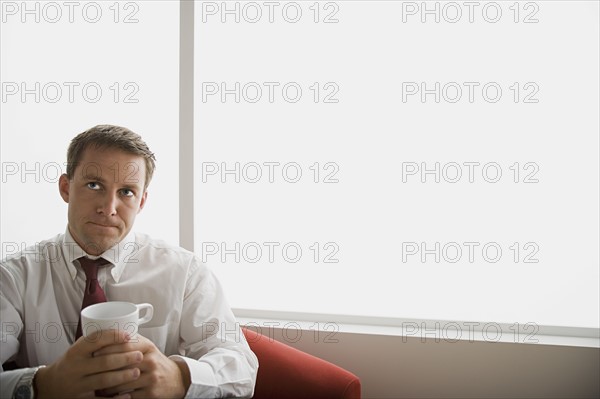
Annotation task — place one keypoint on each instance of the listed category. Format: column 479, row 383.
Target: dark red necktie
column 93, row 292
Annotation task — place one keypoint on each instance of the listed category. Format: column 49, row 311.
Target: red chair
column 287, row 373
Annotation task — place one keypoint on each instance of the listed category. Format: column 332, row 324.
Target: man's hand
column 160, row 376
column 78, row 373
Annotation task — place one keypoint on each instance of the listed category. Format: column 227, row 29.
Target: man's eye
column 93, row 185
column 126, row 192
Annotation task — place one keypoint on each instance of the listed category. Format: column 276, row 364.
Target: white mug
column 114, row 316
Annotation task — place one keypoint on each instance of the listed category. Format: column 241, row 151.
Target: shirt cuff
column 202, row 377
column 9, row 381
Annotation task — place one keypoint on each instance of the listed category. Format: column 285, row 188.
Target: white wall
column 397, row 367
column 130, row 69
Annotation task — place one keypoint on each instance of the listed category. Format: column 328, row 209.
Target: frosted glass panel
column 68, row 66
column 434, row 160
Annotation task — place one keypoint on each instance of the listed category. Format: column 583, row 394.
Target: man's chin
column 97, row 248
column 99, row 243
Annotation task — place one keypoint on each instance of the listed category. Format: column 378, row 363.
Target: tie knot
column 90, row 266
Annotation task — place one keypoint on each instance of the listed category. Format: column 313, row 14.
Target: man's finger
column 100, row 339
column 116, row 361
column 111, row 379
column 137, row 343
column 132, row 388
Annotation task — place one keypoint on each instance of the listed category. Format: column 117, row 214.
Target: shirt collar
column 116, row 255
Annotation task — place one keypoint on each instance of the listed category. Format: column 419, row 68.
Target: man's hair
column 110, row 136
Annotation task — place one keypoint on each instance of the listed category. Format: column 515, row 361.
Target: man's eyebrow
column 131, row 186
column 94, row 177
column 100, row 179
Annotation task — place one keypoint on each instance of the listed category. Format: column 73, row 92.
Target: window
column 393, row 160
column 65, row 68
column 431, row 160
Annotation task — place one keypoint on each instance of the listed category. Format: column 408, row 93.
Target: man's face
column 104, row 197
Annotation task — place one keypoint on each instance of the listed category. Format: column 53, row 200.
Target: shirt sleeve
column 11, row 327
column 218, row 356
column 8, row 382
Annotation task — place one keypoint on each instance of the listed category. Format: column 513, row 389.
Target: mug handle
column 149, row 312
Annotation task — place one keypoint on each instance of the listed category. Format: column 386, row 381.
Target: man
column 192, row 347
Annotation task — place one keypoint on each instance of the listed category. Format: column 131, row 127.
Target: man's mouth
column 102, row 225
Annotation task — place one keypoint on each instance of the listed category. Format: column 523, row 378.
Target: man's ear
column 63, row 187
column 143, row 201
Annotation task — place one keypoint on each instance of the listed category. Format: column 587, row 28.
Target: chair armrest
column 285, row 373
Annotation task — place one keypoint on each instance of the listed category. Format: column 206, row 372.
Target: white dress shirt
column 41, row 291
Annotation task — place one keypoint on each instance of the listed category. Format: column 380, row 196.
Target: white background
column 75, row 51
column 370, row 132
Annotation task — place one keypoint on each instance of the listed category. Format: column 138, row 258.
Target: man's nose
column 108, row 205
